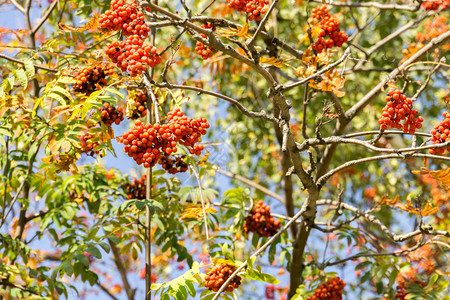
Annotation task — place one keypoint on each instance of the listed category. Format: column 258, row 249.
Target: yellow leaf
column 195, row 211
column 92, row 24
column 273, row 61
column 310, row 70
column 63, row 109
column 243, row 31
column 66, row 146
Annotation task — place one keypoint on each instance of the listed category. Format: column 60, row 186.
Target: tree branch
column 103, row 288
column 250, row 183
column 45, row 17
column 289, row 86
column 370, row 5
column 262, row 23
column 22, row 63
column 252, row 114
column 122, row 271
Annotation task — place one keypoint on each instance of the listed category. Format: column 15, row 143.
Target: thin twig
column 260, row 250
column 427, row 81
column 327, row 68
column 262, row 23
column 22, row 63
column 244, row 110
column 250, row 183
column 45, row 17
column 205, row 218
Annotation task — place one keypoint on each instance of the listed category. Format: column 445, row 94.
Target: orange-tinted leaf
column 429, row 210
column 441, row 176
column 92, row 24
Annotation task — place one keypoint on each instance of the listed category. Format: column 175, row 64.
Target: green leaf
column 29, row 68
column 68, row 268
column 257, row 275
column 190, row 287
column 22, row 77
column 9, row 84
column 95, row 252
column 363, row 265
column 62, row 91
column 55, row 272
column 57, row 97
column 105, row 247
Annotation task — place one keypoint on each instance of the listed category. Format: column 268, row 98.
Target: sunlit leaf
column 92, row 24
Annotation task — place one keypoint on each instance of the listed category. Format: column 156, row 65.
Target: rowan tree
column 224, row 149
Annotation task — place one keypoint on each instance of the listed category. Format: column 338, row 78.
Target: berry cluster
column 270, row 292
column 136, row 105
column 329, row 27
column 87, row 145
column 147, row 144
column 174, row 164
column 90, row 77
column 399, row 108
column 218, row 275
column 436, row 4
column 441, row 134
column 260, row 221
column 132, row 55
column 137, row 189
column 125, row 17
column 254, row 8
column 205, row 51
column 401, row 290
column 111, row 115
column 330, row 290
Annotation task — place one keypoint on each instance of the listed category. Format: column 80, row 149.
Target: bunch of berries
column 136, row 105
column 447, row 99
column 132, row 55
column 90, row 77
column 125, row 17
column 205, row 51
column 137, row 189
column 330, row 290
column 254, row 8
column 329, row 27
column 436, row 4
column 260, row 221
column 399, row 108
column 216, row 277
column 111, row 115
column 401, row 292
column 147, row 143
column 441, row 134
column 270, row 292
column 174, row 164
column 87, row 145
